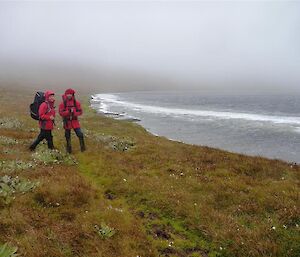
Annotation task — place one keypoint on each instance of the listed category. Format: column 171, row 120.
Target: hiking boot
column 50, row 144
column 69, row 146
column 82, row 144
column 32, row 148
column 33, row 145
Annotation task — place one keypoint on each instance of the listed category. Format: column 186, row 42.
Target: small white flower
column 273, row 227
column 284, row 226
column 125, row 179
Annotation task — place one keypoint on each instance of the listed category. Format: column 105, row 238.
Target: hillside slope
column 135, row 194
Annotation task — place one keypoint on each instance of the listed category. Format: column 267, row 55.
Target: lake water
column 262, row 125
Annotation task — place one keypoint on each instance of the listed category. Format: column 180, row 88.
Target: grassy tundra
column 135, row 194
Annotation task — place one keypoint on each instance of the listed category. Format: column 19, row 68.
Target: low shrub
column 7, row 250
column 10, row 123
column 10, row 186
column 105, row 231
column 15, row 165
column 48, row 157
column 115, row 143
column 7, row 141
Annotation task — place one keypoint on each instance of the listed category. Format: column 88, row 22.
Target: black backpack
column 34, row 107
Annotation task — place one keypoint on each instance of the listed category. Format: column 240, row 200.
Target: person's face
column 69, row 96
column 51, row 98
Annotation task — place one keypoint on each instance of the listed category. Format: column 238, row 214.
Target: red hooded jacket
column 69, row 110
column 45, row 111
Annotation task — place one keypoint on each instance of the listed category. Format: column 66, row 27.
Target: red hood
column 47, row 94
column 69, row 91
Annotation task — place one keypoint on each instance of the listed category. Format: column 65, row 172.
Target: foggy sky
column 117, row 46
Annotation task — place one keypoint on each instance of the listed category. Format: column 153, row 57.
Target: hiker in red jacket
column 70, row 109
column 46, row 121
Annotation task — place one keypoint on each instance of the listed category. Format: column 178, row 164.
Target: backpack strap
column 44, row 121
column 65, row 103
column 48, row 109
column 75, row 104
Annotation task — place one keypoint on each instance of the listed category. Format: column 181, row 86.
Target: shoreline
column 264, row 134
column 115, row 116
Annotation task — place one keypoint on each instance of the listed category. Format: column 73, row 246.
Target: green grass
column 145, row 195
column 8, row 251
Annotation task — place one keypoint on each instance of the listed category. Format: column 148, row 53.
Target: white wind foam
column 109, row 99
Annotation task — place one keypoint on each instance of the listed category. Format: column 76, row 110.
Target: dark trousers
column 44, row 134
column 79, row 134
